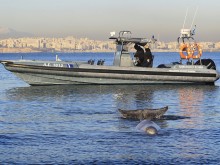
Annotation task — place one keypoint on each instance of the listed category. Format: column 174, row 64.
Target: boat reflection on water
column 122, row 96
column 194, row 102
column 182, row 100
column 191, row 100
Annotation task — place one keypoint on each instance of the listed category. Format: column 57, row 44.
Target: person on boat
column 139, row 55
column 148, row 57
column 143, row 55
column 149, row 127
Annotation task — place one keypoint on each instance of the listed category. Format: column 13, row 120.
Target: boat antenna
column 158, row 36
column 185, row 17
column 194, row 16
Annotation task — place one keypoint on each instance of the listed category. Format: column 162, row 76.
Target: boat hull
column 92, row 74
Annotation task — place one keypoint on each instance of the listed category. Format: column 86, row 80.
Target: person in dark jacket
column 139, row 55
column 148, row 57
column 144, row 56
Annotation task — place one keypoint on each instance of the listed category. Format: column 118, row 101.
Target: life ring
column 197, row 47
column 185, row 48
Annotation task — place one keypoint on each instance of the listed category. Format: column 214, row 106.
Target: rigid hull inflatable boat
column 123, row 71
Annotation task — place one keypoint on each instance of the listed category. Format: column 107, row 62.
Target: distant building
column 71, row 44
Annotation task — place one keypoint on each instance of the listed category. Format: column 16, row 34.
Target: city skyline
column 95, row 19
column 71, row 44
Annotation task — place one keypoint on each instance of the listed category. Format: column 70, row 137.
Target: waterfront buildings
column 72, row 44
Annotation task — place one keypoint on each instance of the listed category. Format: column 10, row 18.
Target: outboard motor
column 207, row 62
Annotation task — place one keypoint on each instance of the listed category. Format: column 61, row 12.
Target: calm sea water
column 82, row 125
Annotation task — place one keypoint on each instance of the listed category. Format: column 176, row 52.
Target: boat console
column 123, row 41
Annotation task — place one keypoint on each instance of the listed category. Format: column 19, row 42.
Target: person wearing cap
column 143, row 56
column 148, row 57
column 139, row 55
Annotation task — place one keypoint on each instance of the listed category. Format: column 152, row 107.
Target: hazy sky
column 96, row 18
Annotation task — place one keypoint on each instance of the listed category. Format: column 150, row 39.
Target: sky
column 96, row 18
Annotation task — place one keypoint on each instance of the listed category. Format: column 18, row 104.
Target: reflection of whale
column 148, row 126
column 143, row 113
column 173, row 117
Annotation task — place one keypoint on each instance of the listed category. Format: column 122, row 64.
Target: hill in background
column 6, row 33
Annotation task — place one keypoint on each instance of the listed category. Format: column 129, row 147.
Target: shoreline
column 30, row 50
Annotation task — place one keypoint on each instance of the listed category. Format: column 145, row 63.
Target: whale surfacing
column 148, row 127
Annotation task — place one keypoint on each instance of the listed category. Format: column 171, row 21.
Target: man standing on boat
column 139, row 55
column 148, row 57
column 143, row 56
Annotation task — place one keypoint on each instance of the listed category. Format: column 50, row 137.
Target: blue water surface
column 81, row 124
